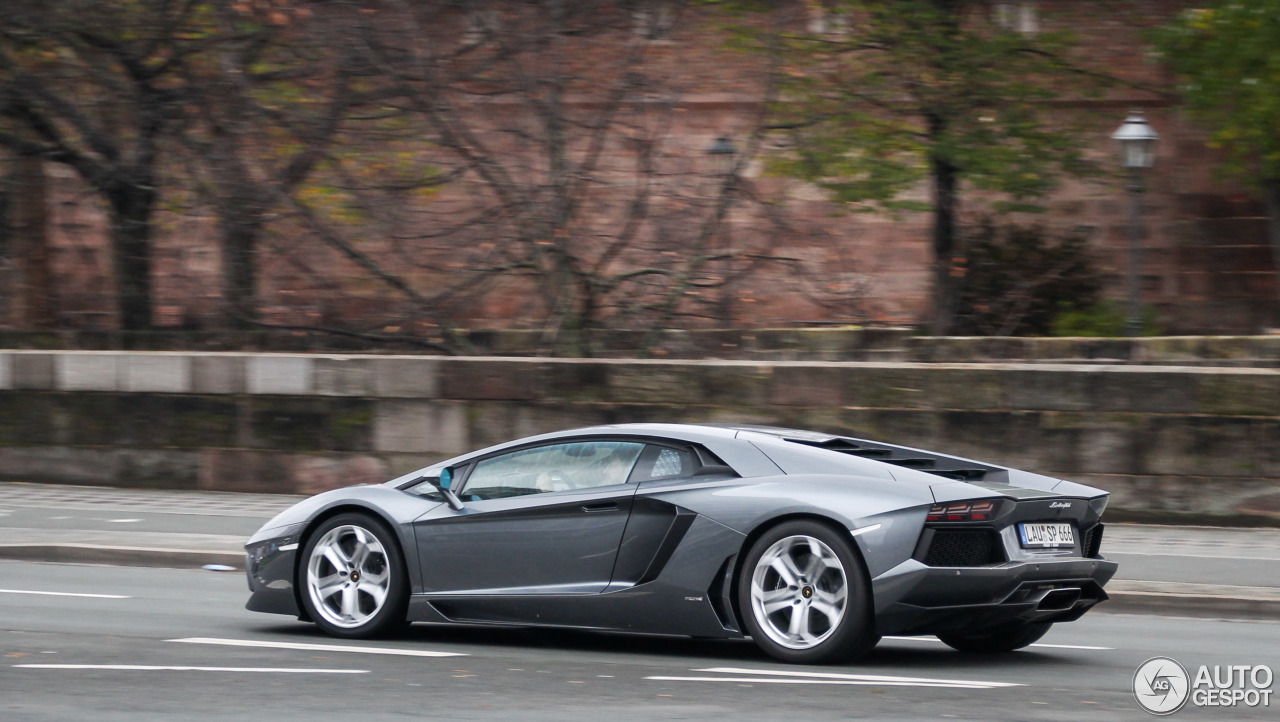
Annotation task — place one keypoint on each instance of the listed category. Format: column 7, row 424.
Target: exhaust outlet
column 1059, row 600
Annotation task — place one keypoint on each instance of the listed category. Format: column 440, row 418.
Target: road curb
column 121, row 556
column 1190, row 605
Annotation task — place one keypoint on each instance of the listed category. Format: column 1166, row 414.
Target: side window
column 653, row 19
column 664, row 462
column 557, row 467
column 1020, row 17
column 482, row 23
column 825, row 18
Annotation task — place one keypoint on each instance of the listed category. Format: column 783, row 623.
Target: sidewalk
column 1178, row 570
column 136, row 527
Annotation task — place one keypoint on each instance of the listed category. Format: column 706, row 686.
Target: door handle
column 602, row 506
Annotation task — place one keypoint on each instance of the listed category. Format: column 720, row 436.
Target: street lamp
column 722, row 151
column 1138, row 152
column 724, row 154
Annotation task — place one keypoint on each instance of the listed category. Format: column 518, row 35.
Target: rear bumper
column 916, row 599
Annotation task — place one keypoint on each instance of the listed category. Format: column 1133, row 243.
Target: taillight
column 962, row 511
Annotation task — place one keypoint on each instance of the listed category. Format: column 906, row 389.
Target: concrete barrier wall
column 1189, row 444
column 1240, row 351
column 765, row 345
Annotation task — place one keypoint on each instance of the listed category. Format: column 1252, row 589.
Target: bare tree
column 574, row 183
column 414, row 166
column 267, row 107
column 24, row 243
column 97, row 86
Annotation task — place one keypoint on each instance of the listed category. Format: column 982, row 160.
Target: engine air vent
column 937, row 464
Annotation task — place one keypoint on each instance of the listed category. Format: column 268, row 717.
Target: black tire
column 762, row 587
column 345, row 602
column 1005, row 639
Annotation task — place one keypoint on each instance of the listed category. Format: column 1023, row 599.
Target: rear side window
column 664, row 462
column 667, row 464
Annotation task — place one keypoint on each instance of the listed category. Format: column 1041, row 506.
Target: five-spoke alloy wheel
column 803, row 595
column 352, row 578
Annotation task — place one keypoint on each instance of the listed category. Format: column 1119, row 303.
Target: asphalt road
column 95, row 657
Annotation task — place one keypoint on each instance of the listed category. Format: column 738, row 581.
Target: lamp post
column 1138, row 152
column 722, row 151
column 724, row 154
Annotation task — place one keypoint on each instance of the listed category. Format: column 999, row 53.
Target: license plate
column 1046, row 535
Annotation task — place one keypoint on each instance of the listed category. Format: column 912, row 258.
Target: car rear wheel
column 352, row 577
column 803, row 595
column 1005, row 639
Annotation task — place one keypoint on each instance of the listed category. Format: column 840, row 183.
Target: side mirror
column 443, row 483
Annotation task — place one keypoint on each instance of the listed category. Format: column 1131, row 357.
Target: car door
column 541, row 520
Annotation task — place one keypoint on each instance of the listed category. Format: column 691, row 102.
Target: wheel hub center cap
column 355, row 576
column 806, row 592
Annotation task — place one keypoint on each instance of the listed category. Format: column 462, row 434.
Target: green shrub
column 1105, row 319
column 1019, row 280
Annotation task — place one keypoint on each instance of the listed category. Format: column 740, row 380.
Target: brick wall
column 1206, row 269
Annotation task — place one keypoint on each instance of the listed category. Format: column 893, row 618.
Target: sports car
column 814, row 545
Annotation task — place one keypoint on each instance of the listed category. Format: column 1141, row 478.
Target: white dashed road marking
column 1037, row 644
column 1072, row 646
column 794, row 680
column 157, row 668
column 65, row 594
column 796, row 677
column 317, row 647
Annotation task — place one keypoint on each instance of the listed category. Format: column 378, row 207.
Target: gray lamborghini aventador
column 811, row 544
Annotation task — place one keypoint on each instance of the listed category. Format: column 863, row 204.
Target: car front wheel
column 352, row 577
column 803, row 595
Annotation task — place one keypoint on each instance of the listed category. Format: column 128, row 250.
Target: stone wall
column 1241, row 351
column 1171, row 443
column 827, row 343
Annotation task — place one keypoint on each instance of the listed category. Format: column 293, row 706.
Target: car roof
column 818, row 452
column 689, row 431
column 761, row 450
